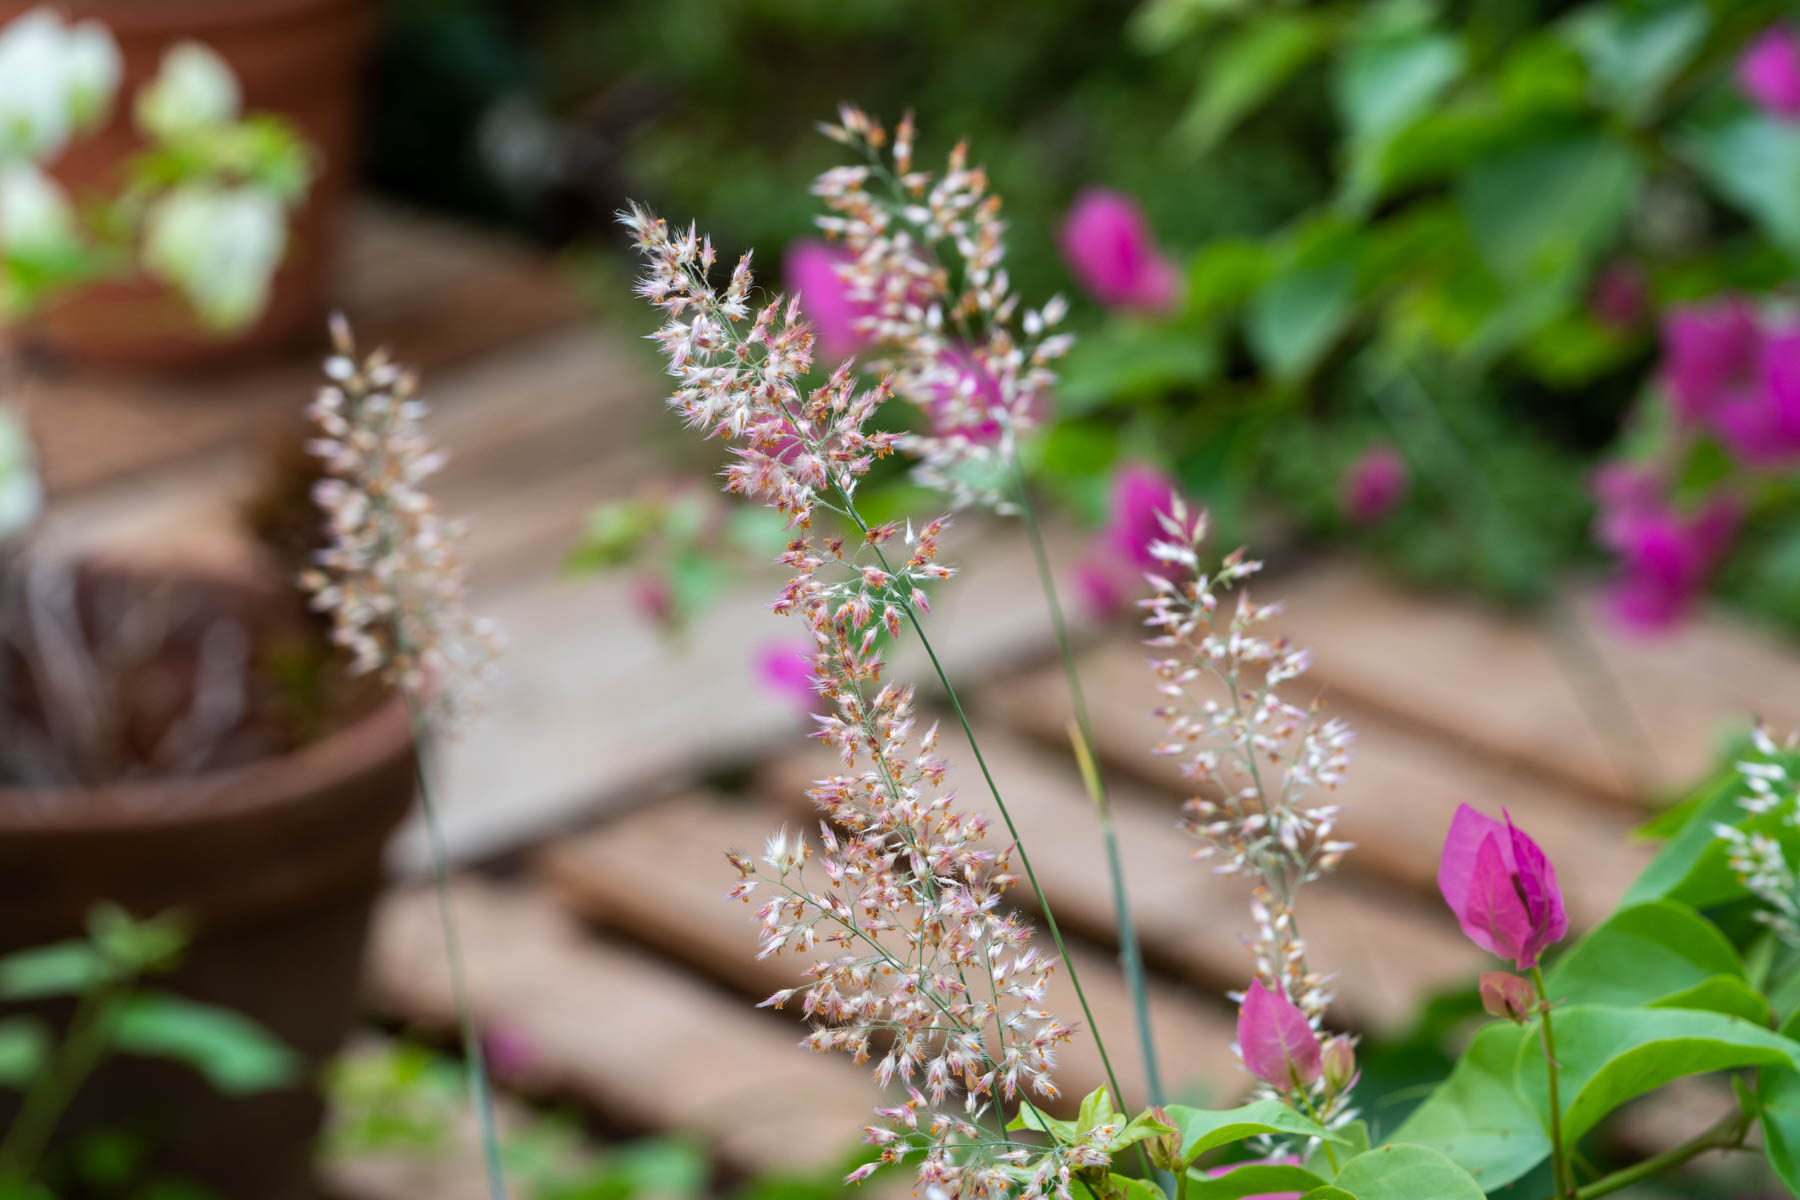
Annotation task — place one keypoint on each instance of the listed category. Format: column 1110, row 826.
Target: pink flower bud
column 1108, row 245
column 1139, row 492
column 1504, row 994
column 1501, row 887
column 1337, row 1063
column 1769, row 72
column 1164, row 1149
column 1279, row 1046
column 1374, row 484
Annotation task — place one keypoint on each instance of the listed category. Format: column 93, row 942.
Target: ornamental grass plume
column 389, row 575
column 917, row 965
column 393, row 584
column 925, row 268
column 1255, row 756
column 1757, row 856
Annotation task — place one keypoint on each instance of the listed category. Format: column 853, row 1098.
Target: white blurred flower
column 54, row 79
column 193, row 90
column 219, row 246
column 21, row 493
column 35, row 216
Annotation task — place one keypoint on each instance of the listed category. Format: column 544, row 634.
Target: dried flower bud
column 1337, row 1061
column 1504, row 994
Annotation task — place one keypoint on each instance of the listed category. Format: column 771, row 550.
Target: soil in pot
column 266, row 828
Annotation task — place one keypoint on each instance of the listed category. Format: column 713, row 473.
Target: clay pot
column 276, row 864
column 300, row 59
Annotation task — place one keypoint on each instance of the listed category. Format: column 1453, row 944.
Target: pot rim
column 185, row 18
column 359, row 745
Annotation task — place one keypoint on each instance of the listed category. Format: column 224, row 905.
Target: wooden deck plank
column 658, row 875
column 1402, row 787
column 1513, row 686
column 637, row 1040
column 1385, row 950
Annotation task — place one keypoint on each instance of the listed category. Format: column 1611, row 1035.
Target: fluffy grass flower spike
column 915, row 964
column 1257, row 757
column 393, row 584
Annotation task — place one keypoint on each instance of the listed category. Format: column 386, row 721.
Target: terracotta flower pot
column 298, row 58
column 276, row 864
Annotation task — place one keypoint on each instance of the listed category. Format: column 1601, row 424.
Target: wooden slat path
column 1511, row 686
column 646, row 1045
column 1402, row 787
column 658, row 876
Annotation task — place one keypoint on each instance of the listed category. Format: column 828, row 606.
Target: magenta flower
column 1710, row 356
column 1374, row 484
column 1769, row 72
column 1501, row 887
column 811, row 271
column 1279, row 1046
column 1139, row 492
column 1665, row 558
column 1101, row 590
column 1279, row 1160
column 1761, row 424
column 785, row 671
column 967, row 406
column 1108, row 245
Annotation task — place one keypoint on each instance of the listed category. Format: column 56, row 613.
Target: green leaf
column 1633, row 53
column 1404, row 1172
column 1207, row 1129
column 1779, row 1089
column 1251, row 1179
column 235, row 1054
column 1545, row 209
column 1031, row 1117
column 1693, row 866
column 1223, row 273
column 1477, row 1117
column 1382, row 84
column 24, row 1045
column 1641, row 954
column 1301, row 310
column 1246, row 70
column 1134, row 362
column 1721, row 994
column 1328, row 1192
column 1754, row 163
column 1612, row 1054
column 60, row 969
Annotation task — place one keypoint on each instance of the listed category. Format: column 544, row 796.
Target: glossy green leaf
column 1641, row 954
column 60, row 969
column 1406, row 1172
column 1296, row 315
column 1381, row 84
column 1545, row 209
column 1477, row 1117
column 235, row 1054
column 1328, row 1192
column 1721, row 994
column 1251, row 1179
column 1633, row 52
column 24, row 1044
column 1754, row 162
column 1207, row 1129
column 1613, row 1054
column 1779, row 1091
column 1246, row 70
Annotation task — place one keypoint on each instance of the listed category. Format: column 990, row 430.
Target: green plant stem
column 1131, row 955
column 1565, row 1184
column 56, row 1083
column 474, row 1061
column 1313, row 1112
column 1726, row 1134
column 1181, row 1183
column 1012, row 828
